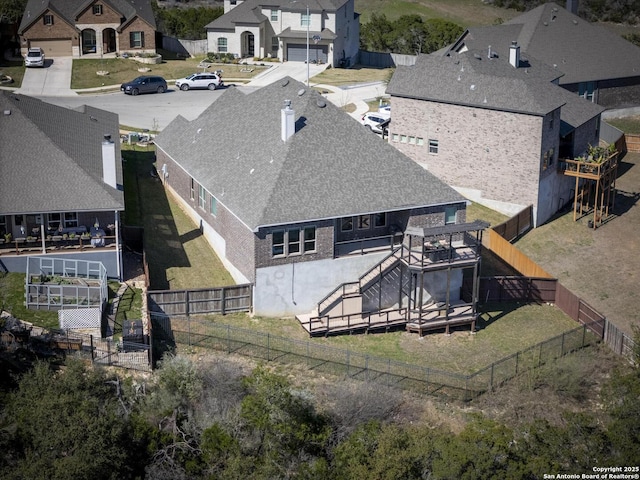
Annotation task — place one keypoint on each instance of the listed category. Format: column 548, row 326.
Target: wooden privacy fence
column 234, row 298
column 514, row 257
column 632, row 142
column 516, row 289
column 515, row 226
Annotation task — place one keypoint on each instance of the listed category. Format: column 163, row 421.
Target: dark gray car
column 145, row 84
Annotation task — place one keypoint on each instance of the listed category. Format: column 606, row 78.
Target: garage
column 54, row 48
column 298, row 53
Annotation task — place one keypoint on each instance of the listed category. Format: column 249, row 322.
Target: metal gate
column 298, row 53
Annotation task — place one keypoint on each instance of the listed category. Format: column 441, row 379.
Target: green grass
column 626, row 124
column 12, row 291
column 463, row 12
column 13, row 69
column 121, row 70
column 503, row 329
column 178, row 254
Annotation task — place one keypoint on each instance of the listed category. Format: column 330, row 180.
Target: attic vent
column 7, row 112
column 301, row 92
column 284, row 83
column 472, row 87
column 545, row 24
column 575, row 22
column 92, row 118
column 321, row 103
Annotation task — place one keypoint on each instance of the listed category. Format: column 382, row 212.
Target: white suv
column 200, row 80
column 375, row 121
column 34, row 58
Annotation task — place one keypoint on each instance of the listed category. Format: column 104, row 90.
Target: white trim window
column 136, row 39
column 305, row 20
column 202, row 197
column 213, row 206
column 47, row 19
column 450, row 215
column 274, row 15
column 192, row 193
column 380, row 220
column 433, row 146
column 364, row 222
column 294, row 241
column 97, row 9
column 222, row 45
column 346, row 224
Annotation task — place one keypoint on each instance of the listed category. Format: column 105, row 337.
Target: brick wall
column 138, row 25
column 59, row 30
column 109, row 15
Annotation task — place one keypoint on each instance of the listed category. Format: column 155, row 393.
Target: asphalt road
column 150, row 111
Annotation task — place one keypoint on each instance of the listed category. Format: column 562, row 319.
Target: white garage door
column 298, row 53
column 54, row 48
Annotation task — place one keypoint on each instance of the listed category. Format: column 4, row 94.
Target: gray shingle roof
column 472, row 79
column 51, row 157
column 69, row 10
column 331, row 167
column 582, row 51
column 249, row 11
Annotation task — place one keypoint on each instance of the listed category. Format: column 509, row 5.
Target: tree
column 11, row 10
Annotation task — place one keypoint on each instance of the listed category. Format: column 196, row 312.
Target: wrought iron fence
column 195, row 332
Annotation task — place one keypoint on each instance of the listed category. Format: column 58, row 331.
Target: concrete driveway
column 295, row 70
column 53, row 80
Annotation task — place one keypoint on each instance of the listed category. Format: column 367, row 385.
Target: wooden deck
column 436, row 318
column 365, row 321
column 55, row 246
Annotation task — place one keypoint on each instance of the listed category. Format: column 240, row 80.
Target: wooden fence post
column 223, row 300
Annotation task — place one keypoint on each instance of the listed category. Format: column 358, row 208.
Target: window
column 193, row 189
column 202, row 197
column 403, row 139
column 395, row 137
column 136, row 39
column 97, row 9
column 274, row 15
column 380, row 220
column 213, row 206
column 277, row 246
column 48, row 19
column 222, row 45
column 295, row 241
column 309, row 239
column 364, row 222
column 419, row 141
column 346, row 224
column 412, row 140
column 274, row 46
column 53, row 221
column 62, row 220
column 70, row 219
column 433, row 146
column 450, row 215
column 547, row 159
column 587, row 90
column 305, row 20
column 3, row 224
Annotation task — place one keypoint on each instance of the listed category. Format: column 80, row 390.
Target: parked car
column 385, row 109
column 376, row 122
column 34, row 58
column 145, row 84
column 200, row 80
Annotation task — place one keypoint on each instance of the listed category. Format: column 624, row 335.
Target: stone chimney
column 109, row 162
column 514, row 54
column 572, row 6
column 288, row 121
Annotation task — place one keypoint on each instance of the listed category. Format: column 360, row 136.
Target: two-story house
column 63, row 28
column 298, row 198
column 287, row 29
column 492, row 123
column 596, row 63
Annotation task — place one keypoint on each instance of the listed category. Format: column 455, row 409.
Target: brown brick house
column 299, row 199
column 64, row 28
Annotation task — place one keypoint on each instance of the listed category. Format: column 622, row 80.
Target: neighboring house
column 595, row 63
column 493, row 124
column 300, row 199
column 60, row 175
column 283, row 29
column 63, row 28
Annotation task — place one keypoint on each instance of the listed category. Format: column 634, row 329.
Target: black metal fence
column 195, row 332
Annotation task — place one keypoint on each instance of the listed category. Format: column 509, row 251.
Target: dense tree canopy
column 186, row 23
column 409, row 34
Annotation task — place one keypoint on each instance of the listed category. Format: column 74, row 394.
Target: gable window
column 294, row 241
column 213, row 206
column 48, row 19
column 97, row 9
column 202, row 197
column 136, row 39
column 193, row 189
column 433, row 146
column 380, row 220
column 450, row 215
column 364, row 222
column 274, row 15
column 222, row 44
column 305, row 20
column 346, row 224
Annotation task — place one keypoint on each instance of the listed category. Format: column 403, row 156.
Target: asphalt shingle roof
column 553, row 35
column 51, row 157
column 331, row 166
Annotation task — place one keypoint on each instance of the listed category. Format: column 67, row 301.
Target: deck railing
column 55, row 243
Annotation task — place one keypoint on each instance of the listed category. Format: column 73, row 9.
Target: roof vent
column 472, row 87
column 301, row 92
column 321, row 103
column 546, row 24
column 575, row 22
column 285, row 82
column 7, row 112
